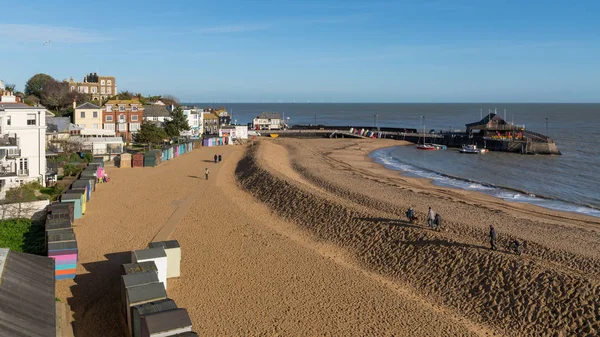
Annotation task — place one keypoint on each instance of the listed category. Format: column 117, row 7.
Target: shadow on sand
column 96, row 301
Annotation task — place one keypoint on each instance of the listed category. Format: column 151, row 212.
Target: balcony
column 7, row 142
column 13, row 153
column 8, row 169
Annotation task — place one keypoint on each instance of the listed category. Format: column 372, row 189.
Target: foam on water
column 385, row 157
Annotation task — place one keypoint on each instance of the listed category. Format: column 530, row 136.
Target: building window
column 110, row 126
column 102, row 82
column 108, row 90
column 109, row 118
column 94, row 126
column 23, row 166
column 133, row 127
column 72, row 88
column 134, row 118
column 8, row 120
column 30, row 119
column 134, row 108
column 94, row 90
column 102, row 90
column 95, row 114
column 82, row 114
column 122, row 118
column 82, row 125
column 109, row 108
column 122, row 127
column 109, row 82
column 121, row 108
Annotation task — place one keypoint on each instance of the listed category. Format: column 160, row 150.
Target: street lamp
column 546, row 126
column 315, row 119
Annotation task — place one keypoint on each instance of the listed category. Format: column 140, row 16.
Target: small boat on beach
column 426, row 147
column 472, row 149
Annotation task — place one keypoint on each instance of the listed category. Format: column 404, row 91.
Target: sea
column 568, row 182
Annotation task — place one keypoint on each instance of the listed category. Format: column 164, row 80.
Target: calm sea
column 569, row 182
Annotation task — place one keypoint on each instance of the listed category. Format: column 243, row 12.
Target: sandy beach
column 297, row 237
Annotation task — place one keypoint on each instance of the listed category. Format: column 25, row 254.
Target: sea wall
column 516, row 296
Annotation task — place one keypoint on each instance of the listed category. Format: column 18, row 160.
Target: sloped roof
column 58, row 124
column 27, row 301
column 487, row 119
column 126, row 102
column 269, row 115
column 210, row 115
column 88, row 105
column 156, row 111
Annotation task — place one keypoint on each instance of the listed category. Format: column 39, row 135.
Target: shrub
column 89, row 157
column 22, row 235
column 71, row 170
column 23, row 193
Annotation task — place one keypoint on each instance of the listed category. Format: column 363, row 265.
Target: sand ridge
column 553, row 290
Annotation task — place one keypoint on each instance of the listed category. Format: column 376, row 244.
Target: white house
column 267, row 121
column 156, row 113
column 195, row 119
column 22, row 142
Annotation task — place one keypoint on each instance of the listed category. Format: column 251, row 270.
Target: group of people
column 434, row 221
column 217, row 159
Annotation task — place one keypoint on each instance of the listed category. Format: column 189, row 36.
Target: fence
column 32, row 209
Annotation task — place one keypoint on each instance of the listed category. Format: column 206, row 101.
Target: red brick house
column 123, row 116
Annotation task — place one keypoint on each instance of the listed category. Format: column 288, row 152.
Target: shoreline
column 430, row 181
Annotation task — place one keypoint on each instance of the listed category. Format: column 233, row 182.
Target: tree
column 149, row 133
column 31, row 100
column 54, row 95
column 170, row 100
column 35, row 85
column 125, row 95
column 177, row 123
column 10, row 87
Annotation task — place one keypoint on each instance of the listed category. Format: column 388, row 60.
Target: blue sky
column 319, row 51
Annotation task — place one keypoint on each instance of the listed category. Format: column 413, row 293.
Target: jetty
column 491, row 132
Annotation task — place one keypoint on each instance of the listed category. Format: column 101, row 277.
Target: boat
column 424, row 146
column 472, row 149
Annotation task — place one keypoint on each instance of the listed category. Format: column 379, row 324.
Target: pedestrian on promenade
column 438, row 222
column 219, row 158
column 206, row 172
column 492, row 237
column 216, row 158
column 430, row 217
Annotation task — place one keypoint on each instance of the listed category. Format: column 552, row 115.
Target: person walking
column 216, row 158
column 492, row 237
column 206, row 172
column 430, row 217
column 438, row 222
column 219, row 158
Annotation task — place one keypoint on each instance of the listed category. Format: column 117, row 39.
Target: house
column 27, row 300
column 123, row 116
column 98, row 87
column 211, row 123
column 224, row 117
column 267, row 121
column 22, row 143
column 195, row 119
column 157, row 113
column 87, row 115
column 107, row 147
column 495, row 127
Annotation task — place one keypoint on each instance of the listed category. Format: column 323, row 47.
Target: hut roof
column 27, row 302
column 487, row 119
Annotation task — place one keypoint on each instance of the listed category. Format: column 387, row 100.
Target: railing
column 7, row 169
column 23, row 172
column 13, row 153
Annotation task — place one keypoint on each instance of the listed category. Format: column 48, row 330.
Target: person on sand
column 438, row 222
column 492, row 237
column 410, row 214
column 206, row 172
column 219, row 158
column 216, row 158
column 430, row 217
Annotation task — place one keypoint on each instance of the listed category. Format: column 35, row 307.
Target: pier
column 492, row 133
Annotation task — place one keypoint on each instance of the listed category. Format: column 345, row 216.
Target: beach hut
column 125, row 160
column 139, row 311
column 76, row 199
column 166, row 323
column 164, row 154
column 60, row 235
column 156, row 255
column 134, row 280
column 27, row 295
column 146, row 293
column 84, row 184
column 81, row 191
column 175, row 151
column 58, row 223
column 138, row 160
column 99, row 161
column 173, row 252
column 65, row 254
column 132, row 268
column 152, row 158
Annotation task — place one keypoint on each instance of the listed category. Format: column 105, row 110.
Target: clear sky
column 319, row 51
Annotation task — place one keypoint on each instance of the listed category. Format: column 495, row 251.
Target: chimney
column 74, row 103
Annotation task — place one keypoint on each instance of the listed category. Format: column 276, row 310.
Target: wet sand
column 306, row 237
